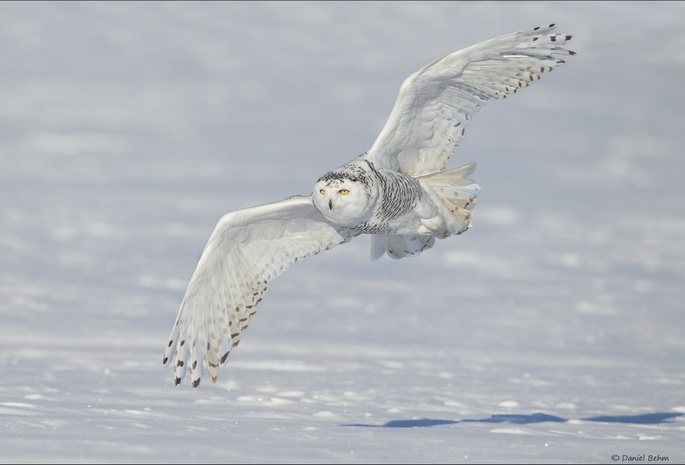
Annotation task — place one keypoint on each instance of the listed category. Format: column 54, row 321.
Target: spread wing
column 436, row 103
column 247, row 249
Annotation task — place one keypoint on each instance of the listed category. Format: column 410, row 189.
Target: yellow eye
column 321, row 191
column 344, row 191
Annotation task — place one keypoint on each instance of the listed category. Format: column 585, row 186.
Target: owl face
column 343, row 201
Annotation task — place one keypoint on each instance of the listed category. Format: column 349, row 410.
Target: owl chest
column 394, row 211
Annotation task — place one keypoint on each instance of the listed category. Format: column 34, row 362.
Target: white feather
column 435, row 104
column 247, row 249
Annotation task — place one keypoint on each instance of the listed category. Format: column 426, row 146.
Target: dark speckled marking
column 354, row 173
column 399, row 195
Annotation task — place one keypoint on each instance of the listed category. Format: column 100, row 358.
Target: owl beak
column 330, row 205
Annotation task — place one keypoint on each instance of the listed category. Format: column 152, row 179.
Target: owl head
column 345, row 196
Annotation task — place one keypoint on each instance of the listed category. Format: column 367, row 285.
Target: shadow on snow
column 644, row 419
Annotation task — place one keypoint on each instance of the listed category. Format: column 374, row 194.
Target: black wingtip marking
column 171, row 341
column 177, row 381
column 225, row 357
column 571, row 52
column 196, row 383
column 164, row 360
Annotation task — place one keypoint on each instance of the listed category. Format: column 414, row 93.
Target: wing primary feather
column 247, row 249
column 415, row 141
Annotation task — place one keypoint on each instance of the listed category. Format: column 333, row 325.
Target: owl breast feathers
column 399, row 192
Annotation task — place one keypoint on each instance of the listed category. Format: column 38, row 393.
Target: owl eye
column 344, row 191
column 321, row 191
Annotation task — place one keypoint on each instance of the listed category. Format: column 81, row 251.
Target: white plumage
column 398, row 191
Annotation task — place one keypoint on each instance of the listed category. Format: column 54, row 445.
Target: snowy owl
column 398, row 191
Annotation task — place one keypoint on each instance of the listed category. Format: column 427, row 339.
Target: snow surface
column 553, row 331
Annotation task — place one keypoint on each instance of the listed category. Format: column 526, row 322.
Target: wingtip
column 549, row 26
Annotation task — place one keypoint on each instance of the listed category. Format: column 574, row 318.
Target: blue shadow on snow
column 644, row 419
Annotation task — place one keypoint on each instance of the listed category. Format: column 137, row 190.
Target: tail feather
column 457, row 192
column 454, row 187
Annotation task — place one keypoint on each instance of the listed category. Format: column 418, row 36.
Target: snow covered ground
column 553, row 331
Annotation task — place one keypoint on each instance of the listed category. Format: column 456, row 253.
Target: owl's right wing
column 247, row 249
column 436, row 102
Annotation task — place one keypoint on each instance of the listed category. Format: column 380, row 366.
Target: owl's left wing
column 436, row 103
column 247, row 249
